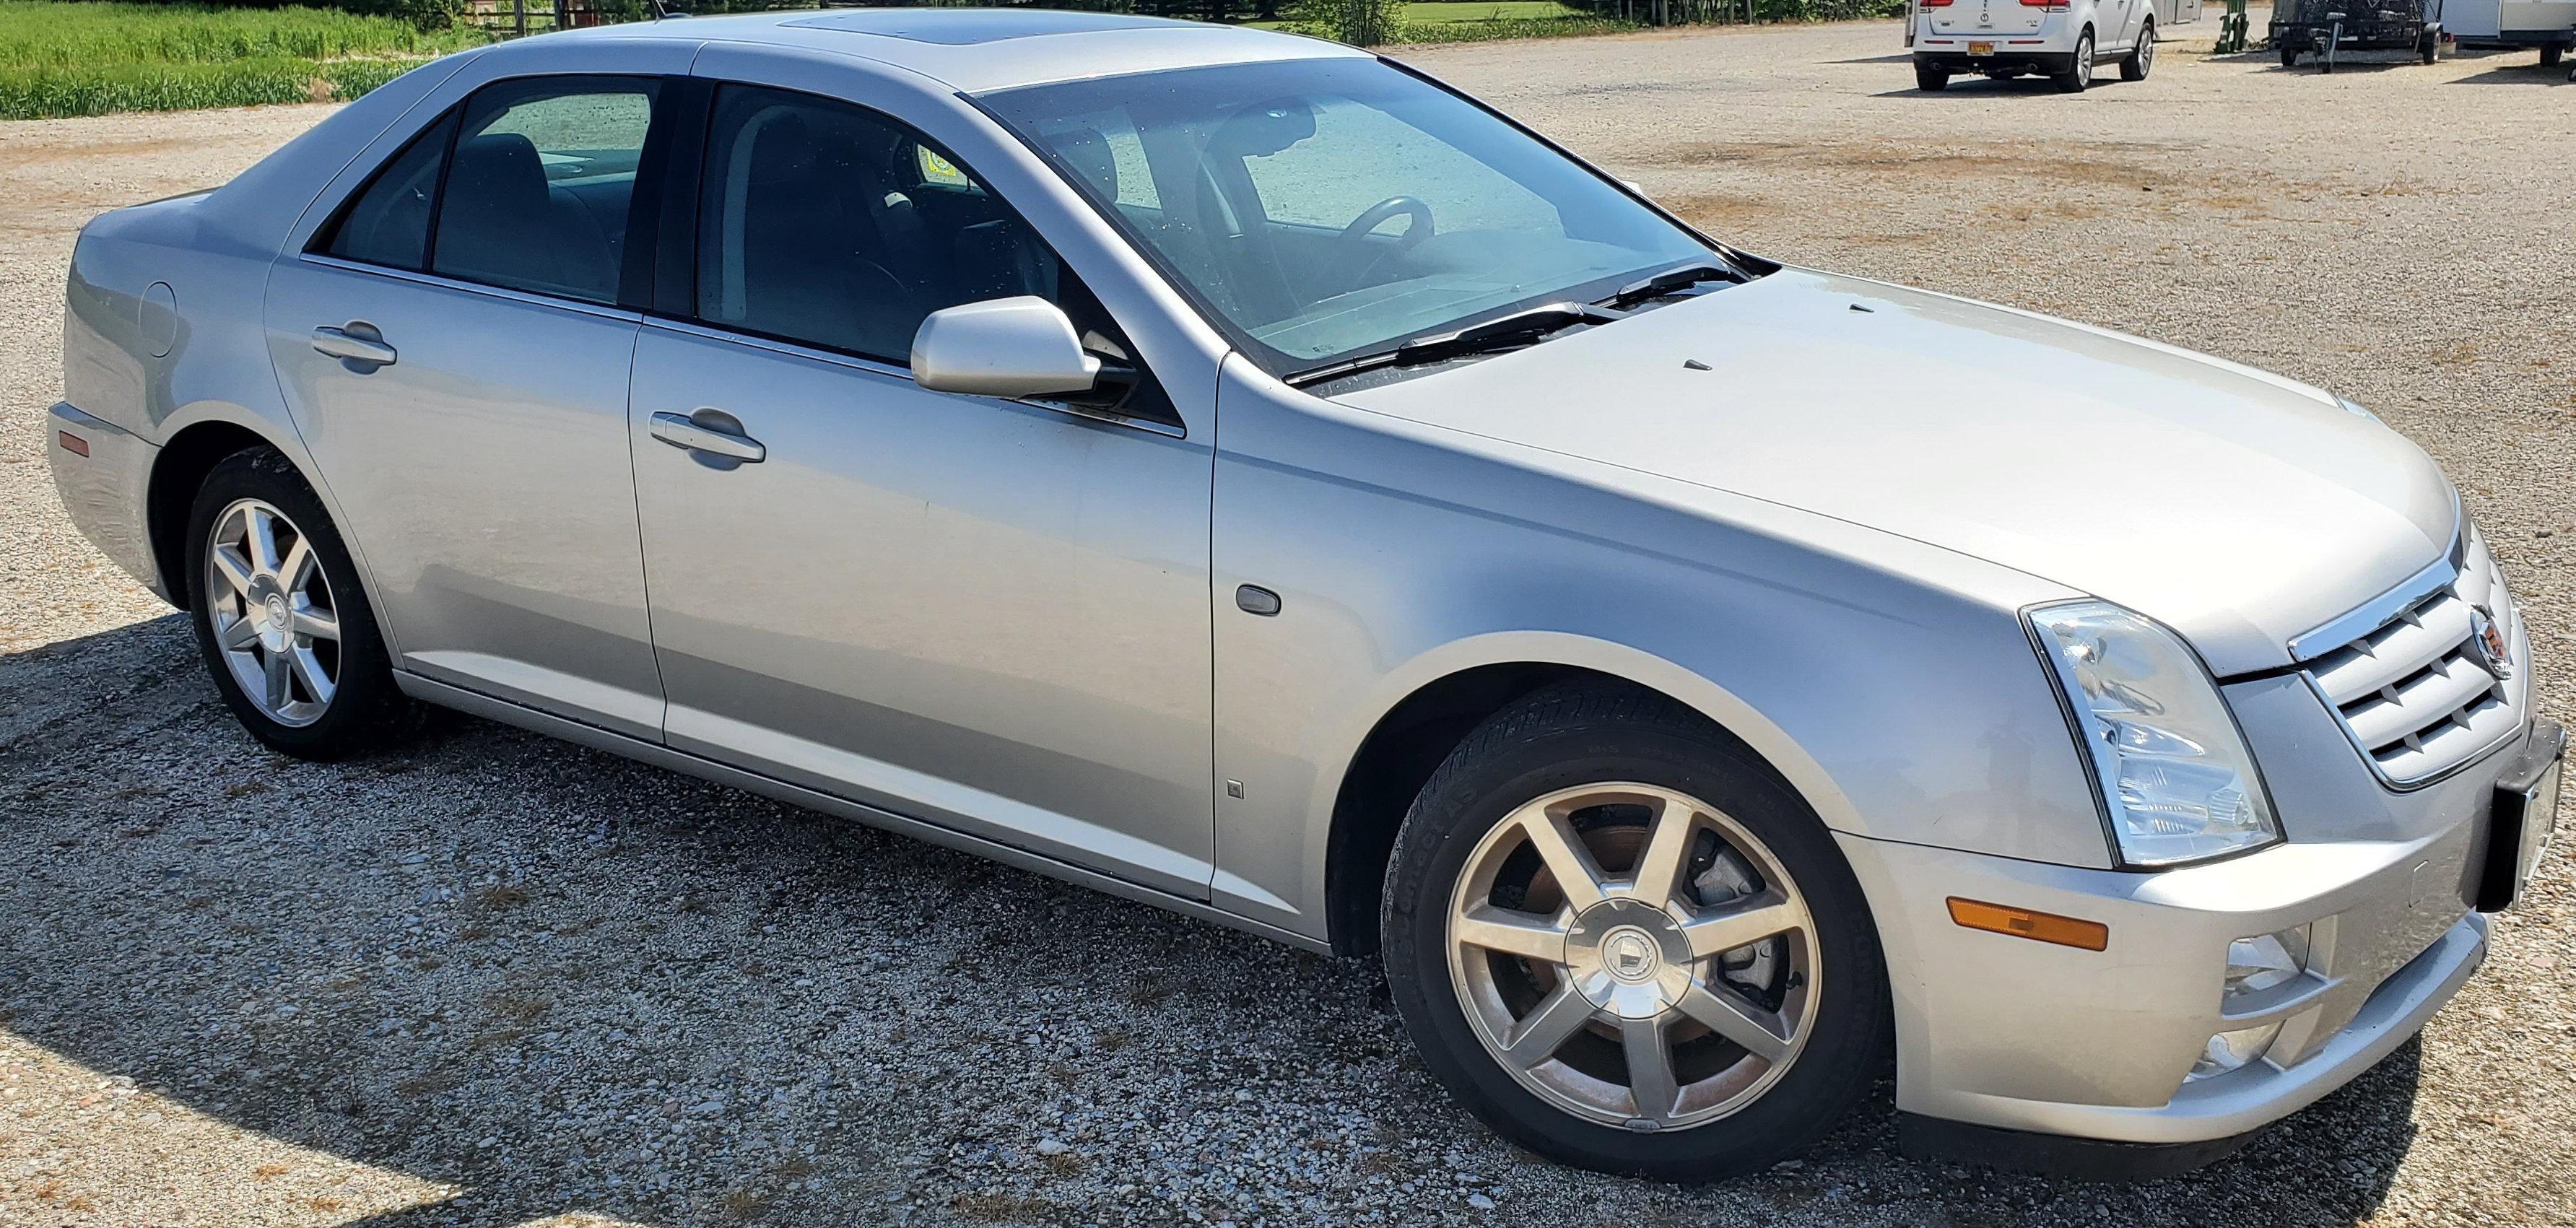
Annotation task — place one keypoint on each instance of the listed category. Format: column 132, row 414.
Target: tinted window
column 830, row 225
column 388, row 224
column 543, row 177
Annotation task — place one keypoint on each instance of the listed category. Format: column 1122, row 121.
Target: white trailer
column 2549, row 25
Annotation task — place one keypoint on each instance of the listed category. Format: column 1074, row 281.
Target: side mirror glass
column 1004, row 347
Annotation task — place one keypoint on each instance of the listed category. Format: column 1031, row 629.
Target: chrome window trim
column 605, row 311
column 887, row 370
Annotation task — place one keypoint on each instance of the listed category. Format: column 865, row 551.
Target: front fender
column 1889, row 681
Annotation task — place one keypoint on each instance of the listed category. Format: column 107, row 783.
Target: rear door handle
column 680, row 432
column 347, row 346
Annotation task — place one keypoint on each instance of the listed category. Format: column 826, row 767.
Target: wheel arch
column 1437, row 708
column 191, row 451
column 179, row 469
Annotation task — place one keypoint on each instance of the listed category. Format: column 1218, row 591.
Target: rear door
column 455, row 347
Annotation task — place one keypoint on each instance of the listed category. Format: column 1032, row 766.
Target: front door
column 986, row 614
column 453, row 353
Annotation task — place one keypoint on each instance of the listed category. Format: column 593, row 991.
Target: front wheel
column 2550, row 55
column 2134, row 66
column 280, row 619
column 2289, row 57
column 1627, row 946
column 2079, row 67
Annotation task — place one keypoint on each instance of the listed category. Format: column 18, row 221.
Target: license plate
column 2526, row 815
column 1981, row 48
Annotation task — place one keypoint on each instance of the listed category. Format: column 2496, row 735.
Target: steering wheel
column 1353, row 244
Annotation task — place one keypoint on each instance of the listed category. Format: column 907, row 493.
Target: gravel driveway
column 507, row 981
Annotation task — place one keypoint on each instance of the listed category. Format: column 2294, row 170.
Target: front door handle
column 681, row 432
column 351, row 346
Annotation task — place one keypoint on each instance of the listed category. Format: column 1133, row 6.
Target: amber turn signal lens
column 2023, row 923
column 72, row 443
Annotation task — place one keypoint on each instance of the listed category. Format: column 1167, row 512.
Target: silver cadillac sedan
column 1243, row 474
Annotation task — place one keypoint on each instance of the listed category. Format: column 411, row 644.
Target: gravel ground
column 507, row 981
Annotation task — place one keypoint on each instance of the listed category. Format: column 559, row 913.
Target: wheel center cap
column 278, row 615
column 1629, row 955
column 1629, row 958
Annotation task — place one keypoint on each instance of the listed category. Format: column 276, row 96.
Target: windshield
column 1327, row 208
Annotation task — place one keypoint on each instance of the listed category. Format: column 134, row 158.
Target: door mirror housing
column 1005, row 347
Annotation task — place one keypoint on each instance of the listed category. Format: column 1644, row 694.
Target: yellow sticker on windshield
column 939, row 170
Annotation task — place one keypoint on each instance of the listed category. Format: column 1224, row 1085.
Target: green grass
column 1449, row 12
column 1464, row 21
column 80, row 58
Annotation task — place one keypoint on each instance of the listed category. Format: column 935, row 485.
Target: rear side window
column 542, row 179
column 388, row 224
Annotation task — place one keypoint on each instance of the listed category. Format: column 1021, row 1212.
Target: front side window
column 540, row 183
column 1329, row 208
column 830, row 225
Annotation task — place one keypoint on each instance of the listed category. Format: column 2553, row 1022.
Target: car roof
column 978, row 50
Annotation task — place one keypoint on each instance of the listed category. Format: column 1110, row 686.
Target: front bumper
column 2017, row 1035
column 104, row 490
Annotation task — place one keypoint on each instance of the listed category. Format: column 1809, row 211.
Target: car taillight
column 2043, row 4
column 1933, row 4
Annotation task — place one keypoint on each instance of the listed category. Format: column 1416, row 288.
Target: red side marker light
column 72, row 443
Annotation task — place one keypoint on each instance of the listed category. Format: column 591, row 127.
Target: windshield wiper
column 1674, row 278
column 1507, row 332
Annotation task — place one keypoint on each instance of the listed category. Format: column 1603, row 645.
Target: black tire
column 1574, row 735
column 2135, row 65
column 2289, row 57
column 2551, row 54
column 367, row 712
column 2429, row 47
column 2079, row 67
column 1931, row 78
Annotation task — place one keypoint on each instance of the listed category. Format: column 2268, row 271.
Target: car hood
column 2240, row 508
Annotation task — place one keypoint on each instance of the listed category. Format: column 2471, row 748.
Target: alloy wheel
column 270, row 606
column 1633, row 956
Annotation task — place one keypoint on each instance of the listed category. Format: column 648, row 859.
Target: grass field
column 1457, row 21
column 82, row 58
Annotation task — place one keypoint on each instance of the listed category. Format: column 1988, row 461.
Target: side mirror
column 1004, row 347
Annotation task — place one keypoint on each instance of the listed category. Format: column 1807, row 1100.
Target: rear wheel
column 2134, row 66
column 1627, row 947
column 2550, row 54
column 280, row 619
column 1931, row 78
column 2079, row 67
column 2429, row 47
column 2289, row 57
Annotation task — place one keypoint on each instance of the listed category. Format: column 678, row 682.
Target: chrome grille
column 2414, row 692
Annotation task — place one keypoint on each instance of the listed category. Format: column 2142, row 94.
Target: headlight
column 2172, row 771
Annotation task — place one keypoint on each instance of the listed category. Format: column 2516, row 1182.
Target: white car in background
column 2061, row 40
